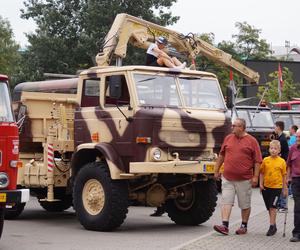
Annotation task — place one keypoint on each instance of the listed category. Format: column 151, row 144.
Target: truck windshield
column 295, row 106
column 5, row 105
column 255, row 118
column 157, row 90
column 201, row 93
column 261, row 118
column 286, row 118
column 161, row 90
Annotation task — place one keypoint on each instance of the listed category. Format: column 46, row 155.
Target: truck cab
column 9, row 154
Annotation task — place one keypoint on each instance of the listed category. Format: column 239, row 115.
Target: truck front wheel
column 1, row 220
column 101, row 203
column 14, row 211
column 195, row 205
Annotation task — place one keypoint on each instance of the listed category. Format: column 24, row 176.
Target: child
column 272, row 179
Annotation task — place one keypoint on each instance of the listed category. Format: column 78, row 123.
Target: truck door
column 117, row 114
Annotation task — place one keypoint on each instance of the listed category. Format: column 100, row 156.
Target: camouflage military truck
column 125, row 133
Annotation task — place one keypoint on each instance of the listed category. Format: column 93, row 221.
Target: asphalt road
column 38, row 229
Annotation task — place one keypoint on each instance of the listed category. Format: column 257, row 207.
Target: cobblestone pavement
column 255, row 238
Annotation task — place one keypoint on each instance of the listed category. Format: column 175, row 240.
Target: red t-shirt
column 241, row 153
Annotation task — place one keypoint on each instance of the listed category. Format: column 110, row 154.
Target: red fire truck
column 9, row 153
column 291, row 105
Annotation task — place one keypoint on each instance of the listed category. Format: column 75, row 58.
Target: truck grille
column 180, row 138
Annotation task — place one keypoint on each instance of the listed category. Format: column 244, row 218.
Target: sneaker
column 294, row 239
column 272, row 230
column 221, row 229
column 241, row 230
column 282, row 210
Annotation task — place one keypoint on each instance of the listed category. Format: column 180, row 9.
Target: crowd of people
column 240, row 152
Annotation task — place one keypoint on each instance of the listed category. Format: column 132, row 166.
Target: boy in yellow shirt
column 272, row 180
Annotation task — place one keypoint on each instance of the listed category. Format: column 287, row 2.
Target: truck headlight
column 4, row 180
column 156, row 154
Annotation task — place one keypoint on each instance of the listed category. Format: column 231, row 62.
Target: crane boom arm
column 140, row 33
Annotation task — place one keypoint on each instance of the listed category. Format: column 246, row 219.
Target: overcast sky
column 278, row 20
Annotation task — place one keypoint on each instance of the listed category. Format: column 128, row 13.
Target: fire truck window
column 124, row 99
column 90, row 93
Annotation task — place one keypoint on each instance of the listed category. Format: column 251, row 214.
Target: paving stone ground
column 255, row 238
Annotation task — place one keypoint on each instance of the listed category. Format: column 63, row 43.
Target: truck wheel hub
column 93, row 197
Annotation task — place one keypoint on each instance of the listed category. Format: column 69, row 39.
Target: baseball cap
column 162, row 40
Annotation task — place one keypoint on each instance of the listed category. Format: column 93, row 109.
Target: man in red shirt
column 240, row 152
column 293, row 163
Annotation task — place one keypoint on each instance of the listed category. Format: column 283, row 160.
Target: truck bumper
column 14, row 196
column 176, row 167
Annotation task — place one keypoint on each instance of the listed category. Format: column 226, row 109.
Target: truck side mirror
column 229, row 97
column 115, row 86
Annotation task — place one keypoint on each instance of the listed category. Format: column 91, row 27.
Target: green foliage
column 289, row 87
column 70, row 32
column 249, row 45
column 9, row 56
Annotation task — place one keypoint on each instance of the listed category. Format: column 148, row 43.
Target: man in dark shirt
column 279, row 127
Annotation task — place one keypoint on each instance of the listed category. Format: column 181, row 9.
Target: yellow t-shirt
column 273, row 169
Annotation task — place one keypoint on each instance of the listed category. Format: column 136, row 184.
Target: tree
column 70, row 32
column 9, row 55
column 289, row 90
column 249, row 44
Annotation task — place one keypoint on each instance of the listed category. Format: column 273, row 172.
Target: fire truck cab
column 9, row 154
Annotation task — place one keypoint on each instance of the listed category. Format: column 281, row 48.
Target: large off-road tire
column 1, row 220
column 101, row 204
column 14, row 212
column 195, row 206
column 64, row 203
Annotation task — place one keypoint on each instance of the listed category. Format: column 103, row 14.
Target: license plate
column 265, row 143
column 208, row 168
column 2, row 197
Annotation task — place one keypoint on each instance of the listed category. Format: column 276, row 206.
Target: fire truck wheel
column 1, row 220
column 14, row 212
column 101, row 204
column 195, row 205
column 57, row 206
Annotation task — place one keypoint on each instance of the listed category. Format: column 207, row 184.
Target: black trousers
column 296, row 196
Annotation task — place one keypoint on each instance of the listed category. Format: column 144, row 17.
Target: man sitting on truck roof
column 157, row 57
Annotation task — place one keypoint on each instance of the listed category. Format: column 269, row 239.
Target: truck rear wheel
column 57, row 206
column 195, row 205
column 14, row 211
column 101, row 203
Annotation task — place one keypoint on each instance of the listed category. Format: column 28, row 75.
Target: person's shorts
column 243, row 190
column 271, row 197
column 151, row 61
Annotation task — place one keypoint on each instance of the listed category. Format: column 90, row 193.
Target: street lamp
column 287, row 45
